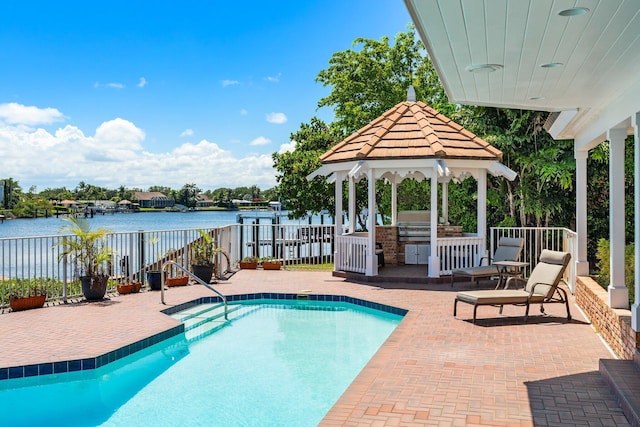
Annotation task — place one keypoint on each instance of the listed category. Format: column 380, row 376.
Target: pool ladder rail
column 194, row 277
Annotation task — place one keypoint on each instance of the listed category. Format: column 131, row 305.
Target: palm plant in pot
column 89, row 254
column 203, row 250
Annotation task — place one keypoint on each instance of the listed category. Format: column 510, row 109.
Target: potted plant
column 154, row 277
column 89, row 255
column 25, row 298
column 203, row 251
column 270, row 263
column 175, row 276
column 249, row 262
column 131, row 287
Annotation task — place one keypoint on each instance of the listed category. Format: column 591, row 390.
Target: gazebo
column 411, row 140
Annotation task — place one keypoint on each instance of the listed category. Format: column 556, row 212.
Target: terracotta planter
column 271, row 265
column 26, row 303
column 247, row 265
column 129, row 288
column 177, row 281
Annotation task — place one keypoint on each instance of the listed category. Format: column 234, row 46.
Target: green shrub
column 604, row 271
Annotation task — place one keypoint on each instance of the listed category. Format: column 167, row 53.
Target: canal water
column 150, row 221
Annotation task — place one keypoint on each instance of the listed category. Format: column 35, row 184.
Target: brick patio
column 433, row 370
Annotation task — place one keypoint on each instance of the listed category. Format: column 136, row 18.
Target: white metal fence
column 538, row 238
column 35, row 261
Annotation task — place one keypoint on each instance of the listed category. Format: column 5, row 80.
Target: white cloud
column 142, row 82
column 273, row 79
column 226, row 83
column 112, row 85
column 13, row 113
column 186, row 132
column 261, row 140
column 277, row 118
column 287, row 148
column 118, row 154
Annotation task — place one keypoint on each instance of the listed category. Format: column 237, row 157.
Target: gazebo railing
column 353, row 253
column 459, row 252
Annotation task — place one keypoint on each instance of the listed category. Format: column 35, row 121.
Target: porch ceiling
column 584, row 66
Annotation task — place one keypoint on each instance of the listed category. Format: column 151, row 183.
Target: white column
column 582, row 264
column 481, row 214
column 618, row 292
column 352, row 205
column 338, row 196
column 372, row 260
column 434, row 260
column 635, row 308
column 394, row 202
column 445, row 202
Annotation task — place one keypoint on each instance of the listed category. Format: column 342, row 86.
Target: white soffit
column 598, row 53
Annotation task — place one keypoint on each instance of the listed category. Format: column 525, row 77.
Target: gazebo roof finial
column 411, row 94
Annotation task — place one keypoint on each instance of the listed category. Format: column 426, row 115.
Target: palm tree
column 89, row 254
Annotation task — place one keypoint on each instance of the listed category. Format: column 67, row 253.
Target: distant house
column 203, row 201
column 153, row 199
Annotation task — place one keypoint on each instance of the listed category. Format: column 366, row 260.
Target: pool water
column 280, row 364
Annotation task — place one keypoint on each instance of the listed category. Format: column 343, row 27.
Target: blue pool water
column 281, row 364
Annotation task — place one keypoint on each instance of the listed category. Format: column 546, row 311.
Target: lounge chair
column 542, row 287
column 508, row 249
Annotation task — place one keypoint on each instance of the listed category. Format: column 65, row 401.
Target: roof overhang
column 584, row 66
column 444, row 168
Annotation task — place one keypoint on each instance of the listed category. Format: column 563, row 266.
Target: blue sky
column 141, row 93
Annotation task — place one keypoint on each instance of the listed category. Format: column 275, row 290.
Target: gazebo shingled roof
column 411, row 130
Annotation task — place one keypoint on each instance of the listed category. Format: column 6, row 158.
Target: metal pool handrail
column 196, row 278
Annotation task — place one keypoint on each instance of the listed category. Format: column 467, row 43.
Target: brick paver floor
column 433, row 370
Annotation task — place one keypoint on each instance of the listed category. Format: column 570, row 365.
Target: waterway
column 149, row 221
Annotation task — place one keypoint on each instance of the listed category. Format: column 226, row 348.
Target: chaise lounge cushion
column 493, row 297
column 481, row 271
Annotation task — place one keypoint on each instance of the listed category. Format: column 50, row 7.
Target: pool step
column 205, row 319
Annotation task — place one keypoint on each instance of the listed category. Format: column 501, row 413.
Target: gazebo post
column 481, row 214
column 352, row 204
column 372, row 264
column 339, row 228
column 394, row 202
column 445, row 201
column 434, row 260
column 338, row 197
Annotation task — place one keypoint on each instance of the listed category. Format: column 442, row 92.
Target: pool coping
column 92, row 363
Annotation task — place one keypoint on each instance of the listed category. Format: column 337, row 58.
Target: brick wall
column 388, row 237
column 614, row 325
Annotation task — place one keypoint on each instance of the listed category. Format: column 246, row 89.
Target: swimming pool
column 277, row 363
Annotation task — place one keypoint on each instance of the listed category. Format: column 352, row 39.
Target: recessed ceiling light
column 536, row 98
column 552, row 65
column 574, row 11
column 483, row 68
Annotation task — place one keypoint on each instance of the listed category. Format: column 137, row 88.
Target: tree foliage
column 374, row 76
column 293, row 167
column 540, row 194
